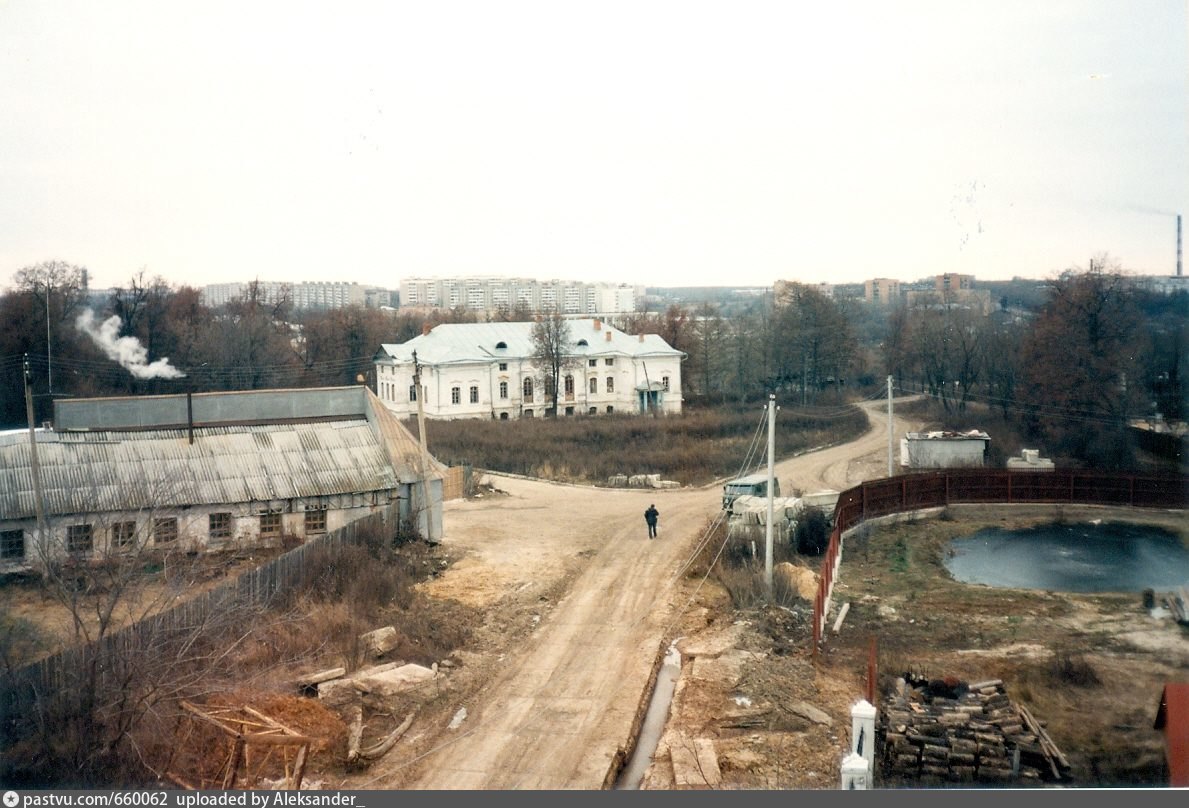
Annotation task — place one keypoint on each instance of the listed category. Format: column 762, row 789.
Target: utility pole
column 49, row 364
column 771, row 486
column 891, row 470
column 424, row 454
column 35, row 467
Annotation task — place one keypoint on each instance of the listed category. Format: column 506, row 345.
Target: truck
column 752, row 485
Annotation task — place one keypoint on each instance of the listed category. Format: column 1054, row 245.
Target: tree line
column 1070, row 367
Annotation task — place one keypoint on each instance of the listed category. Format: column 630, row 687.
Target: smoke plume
column 126, row 350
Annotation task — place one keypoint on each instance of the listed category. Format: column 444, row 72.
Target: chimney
column 608, row 336
column 1178, row 245
column 425, row 329
column 599, row 323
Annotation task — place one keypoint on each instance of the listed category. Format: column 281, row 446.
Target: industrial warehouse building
column 209, row 471
column 486, row 370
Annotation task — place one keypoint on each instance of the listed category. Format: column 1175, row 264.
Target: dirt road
column 578, row 603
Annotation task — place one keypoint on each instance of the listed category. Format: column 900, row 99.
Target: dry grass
column 693, row 448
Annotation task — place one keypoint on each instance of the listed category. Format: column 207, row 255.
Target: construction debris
column 947, row 731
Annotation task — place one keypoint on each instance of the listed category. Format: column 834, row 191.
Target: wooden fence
column 910, row 492
column 454, row 484
column 116, row 655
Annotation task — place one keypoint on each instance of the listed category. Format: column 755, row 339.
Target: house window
column 610, row 409
column 594, row 385
column 610, row 384
column 592, row 363
column 593, row 411
column 123, row 535
column 316, row 519
column 569, row 386
column 528, row 389
column 528, row 413
column 80, row 539
column 12, row 545
column 220, row 525
column 665, row 383
column 503, row 365
column 412, row 392
column 610, row 360
column 165, row 529
column 455, row 395
column 503, row 416
column 569, row 410
column 270, row 524
column 503, row 390
column 474, row 394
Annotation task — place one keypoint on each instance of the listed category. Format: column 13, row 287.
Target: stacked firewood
column 947, row 731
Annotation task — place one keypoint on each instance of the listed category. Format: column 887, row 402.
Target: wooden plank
column 708, row 761
column 841, row 616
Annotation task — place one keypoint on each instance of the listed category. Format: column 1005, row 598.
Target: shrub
column 812, row 534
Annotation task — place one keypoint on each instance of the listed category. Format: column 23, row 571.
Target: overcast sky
column 660, row 143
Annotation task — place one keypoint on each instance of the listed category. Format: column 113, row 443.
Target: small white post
column 862, row 732
column 855, row 776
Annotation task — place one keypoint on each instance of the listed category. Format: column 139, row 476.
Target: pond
column 1084, row 557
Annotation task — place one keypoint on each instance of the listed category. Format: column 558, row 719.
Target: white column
column 855, row 776
column 862, row 732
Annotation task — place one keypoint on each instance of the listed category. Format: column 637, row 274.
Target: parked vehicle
column 753, row 485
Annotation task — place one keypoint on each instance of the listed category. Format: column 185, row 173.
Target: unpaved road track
column 559, row 707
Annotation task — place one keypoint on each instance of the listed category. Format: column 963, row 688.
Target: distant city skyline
column 661, row 143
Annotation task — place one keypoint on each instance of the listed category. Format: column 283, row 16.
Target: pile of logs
column 946, row 731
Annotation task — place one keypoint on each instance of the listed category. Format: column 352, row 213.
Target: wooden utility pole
column 771, row 486
column 423, row 457
column 891, row 470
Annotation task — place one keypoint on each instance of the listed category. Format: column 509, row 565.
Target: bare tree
column 553, row 351
column 708, row 355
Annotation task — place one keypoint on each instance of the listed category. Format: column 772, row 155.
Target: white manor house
column 486, row 370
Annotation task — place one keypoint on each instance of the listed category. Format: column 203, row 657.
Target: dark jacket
column 651, row 514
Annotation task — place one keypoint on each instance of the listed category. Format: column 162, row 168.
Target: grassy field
column 694, row 448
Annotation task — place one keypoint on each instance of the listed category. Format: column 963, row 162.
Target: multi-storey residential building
column 486, row 370
column 952, row 282
column 882, row 291
column 490, row 293
column 303, row 295
column 952, row 289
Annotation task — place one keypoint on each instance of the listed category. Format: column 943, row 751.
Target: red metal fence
column 910, row 492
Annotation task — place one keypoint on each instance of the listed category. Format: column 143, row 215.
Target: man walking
column 650, row 516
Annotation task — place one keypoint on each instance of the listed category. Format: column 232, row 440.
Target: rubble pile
column 944, row 730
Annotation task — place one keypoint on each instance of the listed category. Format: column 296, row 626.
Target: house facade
column 486, row 370
column 208, row 471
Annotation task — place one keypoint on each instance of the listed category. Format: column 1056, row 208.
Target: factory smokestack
column 1178, row 245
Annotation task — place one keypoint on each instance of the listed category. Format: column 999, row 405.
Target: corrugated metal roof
column 105, row 470
column 477, row 342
